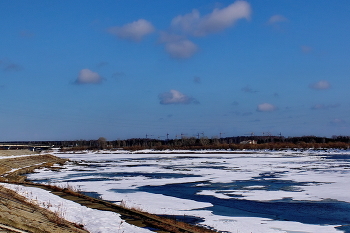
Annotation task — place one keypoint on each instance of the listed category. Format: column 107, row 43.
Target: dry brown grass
column 25, row 165
column 172, row 224
column 24, row 214
column 16, row 152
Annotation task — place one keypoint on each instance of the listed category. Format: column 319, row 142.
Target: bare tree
column 204, row 141
column 102, row 143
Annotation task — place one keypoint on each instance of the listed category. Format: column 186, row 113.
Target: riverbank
column 32, row 218
column 18, row 214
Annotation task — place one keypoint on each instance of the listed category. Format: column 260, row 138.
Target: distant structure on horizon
column 248, row 142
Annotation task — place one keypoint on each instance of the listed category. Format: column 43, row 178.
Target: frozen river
column 230, row 192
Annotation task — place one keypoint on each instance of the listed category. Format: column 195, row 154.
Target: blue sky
column 123, row 69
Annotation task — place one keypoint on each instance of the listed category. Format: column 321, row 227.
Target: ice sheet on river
column 247, row 192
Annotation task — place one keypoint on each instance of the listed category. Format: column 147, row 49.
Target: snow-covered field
column 242, row 192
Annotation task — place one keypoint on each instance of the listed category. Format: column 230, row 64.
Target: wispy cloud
column 178, row 46
column 277, row 19
column 248, row 89
column 266, row 107
column 118, row 74
column 9, row 66
column 306, row 49
column 338, row 122
column 26, row 34
column 87, row 76
column 313, row 51
column 102, row 64
column 12, row 67
column 247, row 113
column 318, row 106
column 134, row 31
column 277, row 22
column 234, row 103
column 321, row 85
column 323, row 106
column 197, row 79
column 176, row 97
column 166, row 117
column 195, row 24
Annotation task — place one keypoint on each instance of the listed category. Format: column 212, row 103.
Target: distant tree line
column 197, row 143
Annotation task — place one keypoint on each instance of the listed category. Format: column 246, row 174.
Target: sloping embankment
column 16, row 213
column 19, row 215
column 12, row 167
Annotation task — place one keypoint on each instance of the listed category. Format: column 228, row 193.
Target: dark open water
column 326, row 212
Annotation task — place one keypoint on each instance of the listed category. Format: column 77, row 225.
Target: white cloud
column 175, row 97
column 266, row 107
column 321, row 85
column 277, row 19
column 134, row 31
column 187, row 23
column 178, row 46
column 181, row 49
column 88, row 76
column 218, row 20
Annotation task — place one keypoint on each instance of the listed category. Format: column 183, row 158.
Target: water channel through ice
column 236, row 191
